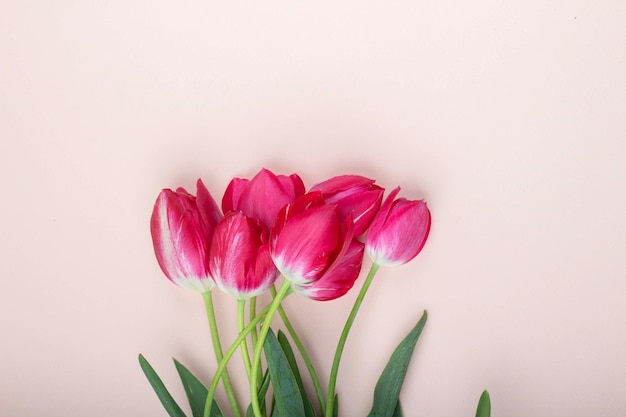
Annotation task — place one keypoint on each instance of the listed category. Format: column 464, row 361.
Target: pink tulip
column 239, row 259
column 263, row 196
column 310, row 244
column 398, row 232
column 354, row 195
column 182, row 226
column 338, row 279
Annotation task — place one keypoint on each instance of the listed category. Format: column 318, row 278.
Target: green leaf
column 286, row 392
column 388, row 387
column 484, row 405
column 336, row 406
column 196, row 392
column 291, row 358
column 398, row 411
column 166, row 399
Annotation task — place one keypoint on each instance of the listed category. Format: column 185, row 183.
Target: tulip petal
column 263, row 196
column 238, row 261
column 180, row 240
column 339, row 279
column 306, row 243
column 232, row 195
column 341, row 183
column 399, row 231
column 355, row 195
column 408, row 225
column 209, row 210
column 379, row 221
column 303, row 203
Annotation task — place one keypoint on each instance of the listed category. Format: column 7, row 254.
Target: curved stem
column 217, row 348
column 221, row 368
column 241, row 311
column 256, row 360
column 252, row 315
column 303, row 353
column 342, row 340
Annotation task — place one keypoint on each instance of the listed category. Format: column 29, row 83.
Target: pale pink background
column 508, row 117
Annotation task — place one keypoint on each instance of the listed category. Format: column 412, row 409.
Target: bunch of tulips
column 271, row 226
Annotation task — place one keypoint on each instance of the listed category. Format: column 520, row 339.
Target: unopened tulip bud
column 239, row 259
column 182, row 226
column 398, row 232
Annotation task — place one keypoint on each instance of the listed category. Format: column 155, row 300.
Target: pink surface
column 508, row 117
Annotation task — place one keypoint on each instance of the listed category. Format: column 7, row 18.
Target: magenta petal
column 341, row 183
column 355, row 195
column 297, row 184
column 180, row 240
column 232, row 195
column 306, row 243
column 379, row 221
column 338, row 280
column 263, row 196
column 265, row 271
column 302, row 204
column 209, row 210
column 399, row 234
column 234, row 257
column 408, row 225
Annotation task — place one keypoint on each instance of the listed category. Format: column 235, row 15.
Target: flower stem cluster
column 270, row 227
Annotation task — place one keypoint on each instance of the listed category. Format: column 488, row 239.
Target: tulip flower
column 310, row 244
column 263, row 196
column 239, row 258
column 354, row 195
column 339, row 277
column 398, row 232
column 182, row 226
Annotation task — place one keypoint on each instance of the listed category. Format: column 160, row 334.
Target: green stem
column 253, row 333
column 342, row 340
column 217, row 348
column 303, row 353
column 256, row 360
column 252, row 312
column 221, row 368
column 241, row 311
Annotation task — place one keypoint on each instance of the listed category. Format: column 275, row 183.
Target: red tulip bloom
column 182, row 226
column 263, row 196
column 354, row 195
column 339, row 278
column 310, row 245
column 399, row 231
column 239, row 259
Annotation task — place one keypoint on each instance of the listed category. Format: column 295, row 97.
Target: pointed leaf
column 336, row 406
column 390, row 382
column 286, row 392
column 157, row 384
column 291, row 358
column 484, row 405
column 196, row 392
column 398, row 410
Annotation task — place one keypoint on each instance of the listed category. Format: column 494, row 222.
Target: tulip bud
column 239, row 259
column 354, row 195
column 263, row 196
column 398, row 232
column 309, row 244
column 181, row 227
